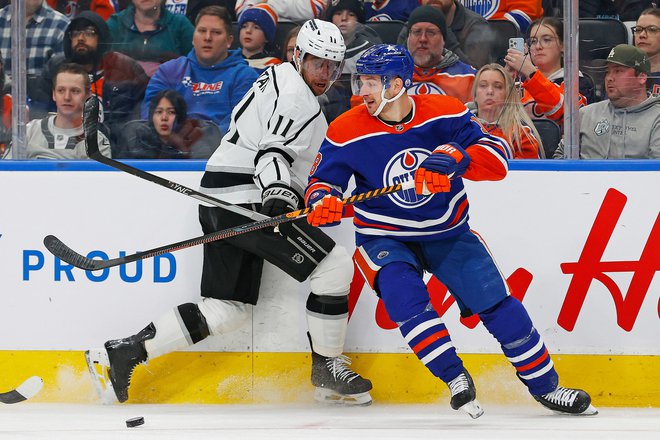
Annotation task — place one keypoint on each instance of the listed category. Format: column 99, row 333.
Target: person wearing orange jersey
column 499, row 110
column 437, row 69
column 541, row 71
column 520, row 12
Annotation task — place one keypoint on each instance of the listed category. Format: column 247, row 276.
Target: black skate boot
column 464, row 395
column 336, row 383
column 123, row 356
column 568, row 401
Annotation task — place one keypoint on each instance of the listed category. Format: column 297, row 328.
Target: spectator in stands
column 168, row 133
column 468, row 33
column 117, row 79
column 257, row 36
column 380, row 10
column 61, row 136
column 647, row 38
column 43, row 35
column 289, row 44
column 289, row 10
column 437, row 69
column 627, row 125
column 520, row 12
column 71, row 8
column 348, row 16
column 624, row 10
column 211, row 78
column 498, row 109
column 541, row 71
column 5, row 114
column 150, row 34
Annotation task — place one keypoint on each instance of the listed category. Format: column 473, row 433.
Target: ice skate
column 568, row 401
column 464, row 395
column 98, row 363
column 336, row 383
column 120, row 359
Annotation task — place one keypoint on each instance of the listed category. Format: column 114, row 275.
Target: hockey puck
column 135, row 421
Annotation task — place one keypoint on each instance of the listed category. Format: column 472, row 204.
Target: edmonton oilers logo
column 400, row 169
column 485, row 8
column 425, row 88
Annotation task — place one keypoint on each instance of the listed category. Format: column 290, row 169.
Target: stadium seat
column 550, row 135
column 388, row 31
column 504, row 29
column 597, row 37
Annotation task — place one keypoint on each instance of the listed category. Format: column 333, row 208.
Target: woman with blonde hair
column 499, row 110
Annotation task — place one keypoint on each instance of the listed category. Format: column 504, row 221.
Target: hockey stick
column 24, row 391
column 90, row 127
column 65, row 253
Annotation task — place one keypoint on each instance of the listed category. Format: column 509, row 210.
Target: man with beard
column 437, row 69
column 116, row 78
column 468, row 34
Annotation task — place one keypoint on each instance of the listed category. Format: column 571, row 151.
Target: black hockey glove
column 278, row 199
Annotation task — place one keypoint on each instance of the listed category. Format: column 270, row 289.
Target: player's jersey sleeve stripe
column 362, row 223
column 286, row 155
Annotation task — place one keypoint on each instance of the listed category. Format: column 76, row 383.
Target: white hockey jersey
column 274, row 135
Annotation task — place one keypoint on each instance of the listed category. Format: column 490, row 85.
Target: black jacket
column 121, row 79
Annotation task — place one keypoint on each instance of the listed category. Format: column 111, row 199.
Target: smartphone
column 517, row 44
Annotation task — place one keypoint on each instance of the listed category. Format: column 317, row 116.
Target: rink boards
column 578, row 242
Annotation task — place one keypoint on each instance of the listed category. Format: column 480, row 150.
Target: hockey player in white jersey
column 262, row 163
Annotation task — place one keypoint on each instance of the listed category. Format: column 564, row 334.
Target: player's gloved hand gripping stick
column 434, row 175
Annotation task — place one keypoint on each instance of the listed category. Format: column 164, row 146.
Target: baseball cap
column 630, row 56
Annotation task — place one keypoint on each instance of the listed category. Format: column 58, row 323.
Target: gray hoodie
column 607, row 132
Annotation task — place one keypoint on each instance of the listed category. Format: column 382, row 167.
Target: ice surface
column 246, row 422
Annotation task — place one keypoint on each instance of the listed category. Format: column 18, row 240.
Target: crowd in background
column 170, row 72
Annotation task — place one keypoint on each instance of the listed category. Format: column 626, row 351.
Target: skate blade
column 98, row 364
column 330, row 397
column 590, row 411
column 473, row 409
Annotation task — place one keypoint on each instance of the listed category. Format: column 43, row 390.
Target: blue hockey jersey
column 377, row 155
column 384, row 10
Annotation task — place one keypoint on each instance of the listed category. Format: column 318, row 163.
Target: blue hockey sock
column 428, row 337
column 510, row 324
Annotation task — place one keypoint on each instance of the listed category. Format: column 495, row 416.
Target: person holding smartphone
column 539, row 68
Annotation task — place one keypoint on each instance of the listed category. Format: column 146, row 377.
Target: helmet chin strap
column 384, row 101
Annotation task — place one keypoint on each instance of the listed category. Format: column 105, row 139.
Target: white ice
column 314, row 422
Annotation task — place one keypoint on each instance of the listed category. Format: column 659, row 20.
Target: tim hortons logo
column 588, row 268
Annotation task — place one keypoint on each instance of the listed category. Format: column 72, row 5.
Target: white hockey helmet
column 323, row 40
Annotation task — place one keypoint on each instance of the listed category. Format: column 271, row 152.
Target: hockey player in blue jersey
column 394, row 138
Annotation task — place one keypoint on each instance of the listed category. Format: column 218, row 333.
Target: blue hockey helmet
column 387, row 61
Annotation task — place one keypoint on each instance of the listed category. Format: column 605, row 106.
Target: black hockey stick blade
column 65, row 253
column 90, row 126
column 24, row 391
